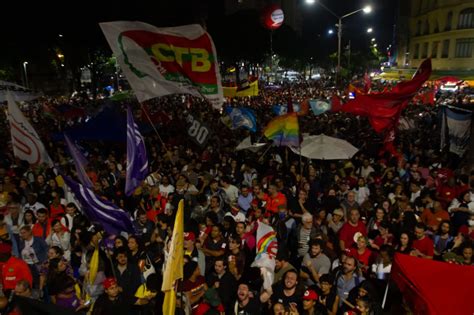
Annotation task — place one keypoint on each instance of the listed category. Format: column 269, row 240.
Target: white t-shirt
column 232, row 193
column 166, row 190
column 28, row 253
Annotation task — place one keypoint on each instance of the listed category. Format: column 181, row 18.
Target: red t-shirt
column 14, row 270
column 274, row 202
column 56, row 212
column 347, row 232
column 364, row 258
column 425, row 246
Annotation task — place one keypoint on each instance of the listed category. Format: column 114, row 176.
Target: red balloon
column 272, row 17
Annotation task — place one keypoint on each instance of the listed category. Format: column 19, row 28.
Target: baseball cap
column 109, row 282
column 338, row 212
column 310, row 295
column 189, row 236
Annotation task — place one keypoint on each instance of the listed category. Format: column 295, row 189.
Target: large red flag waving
column 432, row 287
column 384, row 109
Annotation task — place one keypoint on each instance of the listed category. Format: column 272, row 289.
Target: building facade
column 440, row 29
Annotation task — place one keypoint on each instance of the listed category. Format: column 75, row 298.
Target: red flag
column 432, row 287
column 384, row 109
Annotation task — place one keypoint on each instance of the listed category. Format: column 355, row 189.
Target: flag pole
column 153, row 126
column 386, row 293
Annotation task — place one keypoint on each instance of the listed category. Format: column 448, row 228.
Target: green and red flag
column 162, row 61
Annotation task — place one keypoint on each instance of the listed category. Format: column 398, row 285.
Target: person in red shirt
column 447, row 192
column 56, row 209
column 362, row 253
column 423, row 246
column 42, row 227
column 275, row 199
column 350, row 228
column 12, row 269
column 433, row 217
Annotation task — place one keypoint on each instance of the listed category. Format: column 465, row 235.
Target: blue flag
column 137, row 161
column 242, row 117
column 319, row 106
column 80, row 162
column 100, row 211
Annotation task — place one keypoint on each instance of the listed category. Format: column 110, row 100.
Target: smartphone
column 87, row 303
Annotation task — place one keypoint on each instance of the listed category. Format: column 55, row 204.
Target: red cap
column 189, row 236
column 109, row 282
column 310, row 295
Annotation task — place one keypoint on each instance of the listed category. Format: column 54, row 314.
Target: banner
column 162, row 61
column 26, row 143
column 251, row 90
column 457, row 126
column 197, row 130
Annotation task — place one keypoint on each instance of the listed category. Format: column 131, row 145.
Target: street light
column 373, row 39
column 25, row 63
column 367, row 9
column 330, row 32
column 370, row 30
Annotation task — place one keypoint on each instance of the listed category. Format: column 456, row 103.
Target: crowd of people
column 338, row 223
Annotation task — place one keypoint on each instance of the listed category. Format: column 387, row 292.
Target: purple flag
column 137, row 161
column 100, row 211
column 80, row 162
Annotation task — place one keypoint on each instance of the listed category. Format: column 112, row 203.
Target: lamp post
column 25, row 63
column 366, row 10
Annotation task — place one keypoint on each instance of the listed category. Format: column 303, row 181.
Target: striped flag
column 137, row 162
column 113, row 219
column 26, row 143
column 80, row 162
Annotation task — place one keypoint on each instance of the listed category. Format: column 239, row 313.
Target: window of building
column 464, row 47
column 436, row 28
column 434, row 50
column 449, row 21
column 426, row 29
column 445, row 52
column 424, row 52
column 466, row 18
column 418, row 28
column 434, row 4
column 416, row 52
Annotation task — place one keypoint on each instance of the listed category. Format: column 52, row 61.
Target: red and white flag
column 25, row 141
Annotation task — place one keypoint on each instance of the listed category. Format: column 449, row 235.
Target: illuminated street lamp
column 367, row 9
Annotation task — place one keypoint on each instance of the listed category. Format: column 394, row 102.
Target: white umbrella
column 246, row 144
column 322, row 147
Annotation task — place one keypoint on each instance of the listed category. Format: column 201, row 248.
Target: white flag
column 163, row 61
column 25, row 141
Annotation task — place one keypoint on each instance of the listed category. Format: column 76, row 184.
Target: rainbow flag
column 284, row 130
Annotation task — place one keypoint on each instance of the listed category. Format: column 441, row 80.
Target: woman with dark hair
column 405, row 244
column 54, row 252
column 60, row 237
column 62, row 287
column 29, row 218
column 136, row 249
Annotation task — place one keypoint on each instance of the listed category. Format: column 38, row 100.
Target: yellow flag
column 174, row 264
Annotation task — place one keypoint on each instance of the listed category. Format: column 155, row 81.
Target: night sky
column 37, row 24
